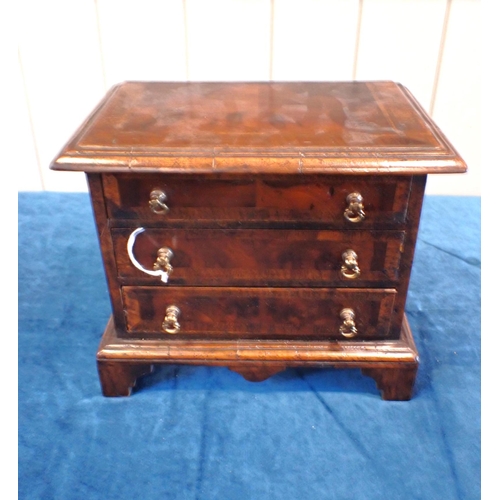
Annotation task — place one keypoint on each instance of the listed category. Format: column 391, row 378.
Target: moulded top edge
column 265, row 126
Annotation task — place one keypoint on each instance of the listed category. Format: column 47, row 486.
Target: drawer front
column 263, row 313
column 260, row 257
column 263, row 200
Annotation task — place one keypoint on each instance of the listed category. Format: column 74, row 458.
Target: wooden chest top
column 260, row 127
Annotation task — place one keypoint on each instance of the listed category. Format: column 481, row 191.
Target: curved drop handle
column 350, row 268
column 171, row 321
column 157, row 199
column 355, row 211
column 162, row 273
column 348, row 327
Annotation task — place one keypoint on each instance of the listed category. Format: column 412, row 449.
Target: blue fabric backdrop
column 206, row 433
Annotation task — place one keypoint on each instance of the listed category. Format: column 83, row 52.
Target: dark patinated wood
column 99, row 208
column 118, row 378
column 393, row 363
column 413, row 221
column 246, row 188
column 255, row 257
column 263, row 312
column 257, row 200
column 395, row 384
column 368, row 354
column 260, row 127
column 257, row 372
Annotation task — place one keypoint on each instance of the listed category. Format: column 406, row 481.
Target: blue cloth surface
column 206, row 433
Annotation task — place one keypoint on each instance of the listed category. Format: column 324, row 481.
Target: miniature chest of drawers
column 258, row 226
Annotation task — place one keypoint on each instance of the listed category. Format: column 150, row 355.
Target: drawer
column 262, row 200
column 263, row 313
column 260, row 257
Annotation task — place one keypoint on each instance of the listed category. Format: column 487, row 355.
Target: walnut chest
column 258, row 226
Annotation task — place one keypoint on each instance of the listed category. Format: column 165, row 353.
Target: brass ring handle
column 157, row 199
column 162, row 263
column 161, row 267
column 350, row 268
column 348, row 327
column 355, row 208
column 171, row 321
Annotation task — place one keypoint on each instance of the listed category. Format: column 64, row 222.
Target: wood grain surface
column 262, row 313
column 258, row 200
column 259, row 127
column 261, row 257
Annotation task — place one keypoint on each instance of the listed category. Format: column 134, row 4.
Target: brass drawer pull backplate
column 157, row 199
column 171, row 321
column 161, row 267
column 350, row 268
column 355, row 208
column 348, row 327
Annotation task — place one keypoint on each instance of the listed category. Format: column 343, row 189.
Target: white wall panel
column 457, row 109
column 142, row 40
column 314, row 39
column 400, row 40
column 60, row 56
column 70, row 52
column 228, row 39
column 23, row 154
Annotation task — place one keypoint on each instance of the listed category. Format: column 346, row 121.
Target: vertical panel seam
column 186, row 37
column 271, row 43
column 357, row 41
column 30, row 118
column 439, row 62
column 99, row 41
